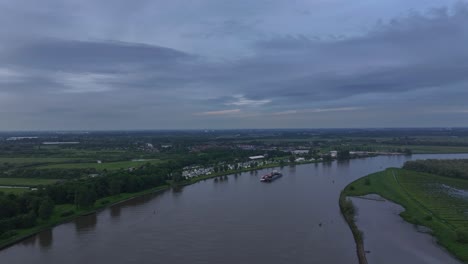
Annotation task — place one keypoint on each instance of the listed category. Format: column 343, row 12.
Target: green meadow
column 429, row 200
column 101, row 166
column 25, row 181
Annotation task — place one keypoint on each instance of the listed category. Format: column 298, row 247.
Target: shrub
column 462, row 236
column 348, row 209
column 417, row 222
column 67, row 213
column 428, row 218
column 8, row 234
column 367, row 181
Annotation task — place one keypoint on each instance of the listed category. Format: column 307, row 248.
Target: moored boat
column 271, row 176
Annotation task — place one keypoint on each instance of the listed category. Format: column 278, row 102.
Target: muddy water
column 389, row 239
column 295, row 219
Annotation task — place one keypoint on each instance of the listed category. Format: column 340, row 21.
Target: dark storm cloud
column 410, row 64
column 416, row 52
column 76, row 56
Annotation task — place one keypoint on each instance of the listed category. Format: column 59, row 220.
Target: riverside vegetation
column 60, row 182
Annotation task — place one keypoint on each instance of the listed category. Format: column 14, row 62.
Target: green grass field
column 424, row 149
column 426, row 199
column 32, row 160
column 13, row 190
column 25, row 181
column 101, row 166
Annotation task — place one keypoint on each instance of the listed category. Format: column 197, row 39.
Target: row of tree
column 26, row 210
column 23, row 211
column 456, row 168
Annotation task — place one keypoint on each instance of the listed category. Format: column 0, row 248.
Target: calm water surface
column 295, row 219
column 389, row 239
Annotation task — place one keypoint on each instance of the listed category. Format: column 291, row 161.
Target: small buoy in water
column 154, row 211
column 320, row 224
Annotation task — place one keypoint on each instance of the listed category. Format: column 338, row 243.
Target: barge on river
column 271, row 176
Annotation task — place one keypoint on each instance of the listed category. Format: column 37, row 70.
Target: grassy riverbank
column 67, row 212
column 426, row 201
column 348, row 210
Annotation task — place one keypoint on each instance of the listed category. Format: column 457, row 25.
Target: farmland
column 13, row 190
column 430, row 200
column 32, row 160
column 25, row 182
column 101, row 166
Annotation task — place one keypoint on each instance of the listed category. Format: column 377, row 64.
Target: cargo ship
column 271, row 176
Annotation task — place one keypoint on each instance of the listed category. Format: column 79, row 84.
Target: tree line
column 18, row 211
column 455, row 168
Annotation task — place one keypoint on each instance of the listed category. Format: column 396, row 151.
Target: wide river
column 295, row 219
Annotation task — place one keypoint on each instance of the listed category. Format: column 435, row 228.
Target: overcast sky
column 118, row 64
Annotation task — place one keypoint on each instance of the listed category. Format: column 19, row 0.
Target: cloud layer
column 233, row 65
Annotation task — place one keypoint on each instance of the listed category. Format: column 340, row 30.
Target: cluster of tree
column 26, row 210
column 456, row 168
column 343, row 155
column 23, row 211
column 224, row 167
column 424, row 142
column 84, row 192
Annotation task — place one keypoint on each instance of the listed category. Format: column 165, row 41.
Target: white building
column 300, row 152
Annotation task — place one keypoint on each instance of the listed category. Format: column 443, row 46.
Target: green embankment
column 427, row 200
column 67, row 212
column 28, row 182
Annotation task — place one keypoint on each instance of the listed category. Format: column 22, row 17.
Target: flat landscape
column 101, row 166
column 13, row 190
column 64, row 181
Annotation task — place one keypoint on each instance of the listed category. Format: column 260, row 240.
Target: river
column 295, row 219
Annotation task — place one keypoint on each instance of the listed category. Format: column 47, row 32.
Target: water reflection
column 292, row 168
column 221, row 179
column 146, row 198
column 86, row 223
column 343, row 163
column 31, row 241
column 177, row 190
column 45, row 239
column 115, row 211
column 207, row 221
